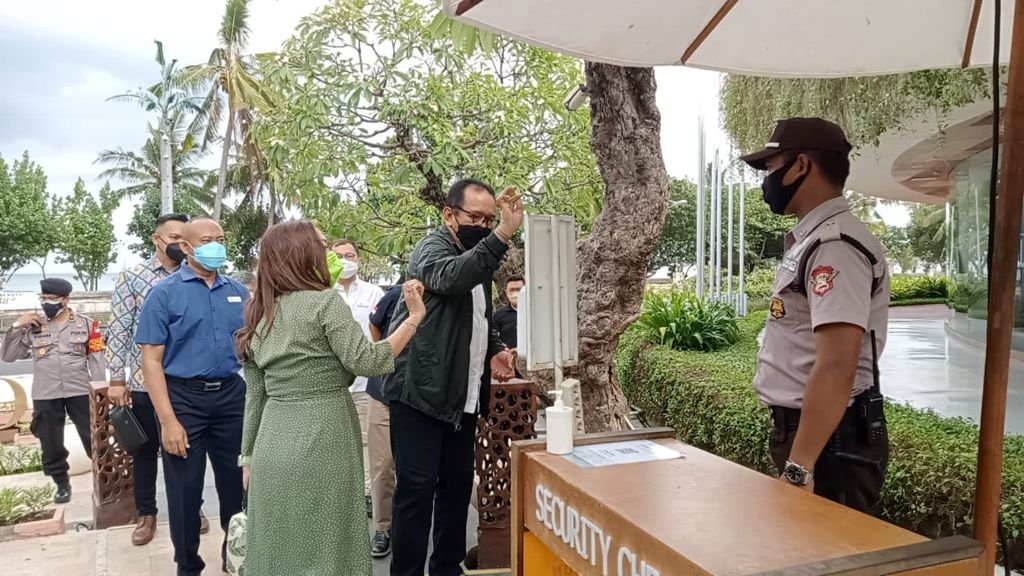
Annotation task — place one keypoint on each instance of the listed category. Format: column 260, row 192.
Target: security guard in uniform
column 68, row 353
column 817, row 370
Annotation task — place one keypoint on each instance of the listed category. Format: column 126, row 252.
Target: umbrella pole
column 1001, row 301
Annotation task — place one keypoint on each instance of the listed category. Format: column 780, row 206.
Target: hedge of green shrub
column 913, row 287
column 917, row 302
column 707, row 397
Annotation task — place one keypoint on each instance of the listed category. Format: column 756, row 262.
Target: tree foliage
column 927, row 233
column 26, row 229
column 379, row 109
column 866, row 107
column 86, row 233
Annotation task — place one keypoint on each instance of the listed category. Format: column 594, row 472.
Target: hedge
column 709, row 400
column 917, row 302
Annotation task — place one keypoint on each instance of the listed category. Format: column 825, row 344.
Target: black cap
column 801, row 134
column 55, row 286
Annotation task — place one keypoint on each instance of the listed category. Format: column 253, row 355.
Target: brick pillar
column 113, row 488
column 513, row 413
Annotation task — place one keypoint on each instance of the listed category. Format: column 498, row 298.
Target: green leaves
column 26, row 231
column 682, row 321
column 85, row 237
column 18, row 504
column 381, row 105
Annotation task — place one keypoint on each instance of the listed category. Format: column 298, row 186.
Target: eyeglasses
column 477, row 219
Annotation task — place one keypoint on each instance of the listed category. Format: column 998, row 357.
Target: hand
column 174, row 438
column 809, row 487
column 246, row 474
column 412, row 292
column 511, row 206
column 29, row 320
column 503, row 366
column 118, row 393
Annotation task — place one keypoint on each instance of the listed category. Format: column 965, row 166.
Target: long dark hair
column 292, row 259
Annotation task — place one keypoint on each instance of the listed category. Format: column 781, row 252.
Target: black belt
column 201, row 384
column 789, row 418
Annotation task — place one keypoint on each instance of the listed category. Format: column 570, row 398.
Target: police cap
column 55, row 286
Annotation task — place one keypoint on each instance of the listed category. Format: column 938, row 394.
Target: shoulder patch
column 823, row 280
column 778, row 308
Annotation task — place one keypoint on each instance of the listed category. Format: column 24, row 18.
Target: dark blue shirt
column 195, row 323
column 381, row 318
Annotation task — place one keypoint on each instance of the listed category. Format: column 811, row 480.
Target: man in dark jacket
column 442, row 379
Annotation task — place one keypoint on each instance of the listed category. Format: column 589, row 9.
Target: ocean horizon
column 29, row 281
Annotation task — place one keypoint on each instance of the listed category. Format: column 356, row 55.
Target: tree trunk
column 166, row 170
column 218, row 199
column 612, row 261
column 272, row 216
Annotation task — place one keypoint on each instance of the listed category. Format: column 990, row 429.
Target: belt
column 201, row 384
column 789, row 418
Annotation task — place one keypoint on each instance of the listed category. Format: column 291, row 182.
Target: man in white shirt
column 362, row 298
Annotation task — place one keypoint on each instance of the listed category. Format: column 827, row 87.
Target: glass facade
column 968, row 251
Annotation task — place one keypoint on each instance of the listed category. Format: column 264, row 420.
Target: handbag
column 127, row 429
column 237, row 540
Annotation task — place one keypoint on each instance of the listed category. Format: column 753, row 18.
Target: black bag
column 129, row 433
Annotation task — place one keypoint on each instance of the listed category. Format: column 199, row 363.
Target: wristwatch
column 797, row 474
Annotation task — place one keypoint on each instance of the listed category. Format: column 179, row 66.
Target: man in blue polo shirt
column 190, row 367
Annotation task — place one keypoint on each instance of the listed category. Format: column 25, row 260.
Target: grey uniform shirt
column 838, row 286
column 64, row 361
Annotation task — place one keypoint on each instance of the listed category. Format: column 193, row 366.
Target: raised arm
column 449, row 274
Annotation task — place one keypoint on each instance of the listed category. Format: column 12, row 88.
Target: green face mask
column 335, row 266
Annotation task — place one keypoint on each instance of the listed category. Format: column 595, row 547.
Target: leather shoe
column 144, row 530
column 204, row 524
column 63, row 495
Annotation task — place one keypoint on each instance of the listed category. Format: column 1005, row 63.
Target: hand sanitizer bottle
column 560, row 426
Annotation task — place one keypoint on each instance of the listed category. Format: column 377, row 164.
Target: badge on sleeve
column 96, row 343
column 778, row 308
column 823, row 280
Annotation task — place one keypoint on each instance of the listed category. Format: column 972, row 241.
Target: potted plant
column 27, row 513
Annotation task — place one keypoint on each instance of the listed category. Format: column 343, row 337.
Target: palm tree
column 143, row 172
column 230, row 72
column 168, row 100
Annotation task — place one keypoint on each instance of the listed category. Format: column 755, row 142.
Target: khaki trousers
column 382, row 465
column 362, row 400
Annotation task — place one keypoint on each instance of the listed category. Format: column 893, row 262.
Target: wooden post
column 1001, row 301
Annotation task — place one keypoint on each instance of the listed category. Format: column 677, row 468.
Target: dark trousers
column 434, row 469
column 48, row 417
column 849, row 470
column 144, row 460
column 213, row 421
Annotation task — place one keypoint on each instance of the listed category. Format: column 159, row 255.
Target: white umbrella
column 762, row 37
column 819, row 38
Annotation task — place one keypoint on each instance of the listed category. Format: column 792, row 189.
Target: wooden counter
column 699, row 514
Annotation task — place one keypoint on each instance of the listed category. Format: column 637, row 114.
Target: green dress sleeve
column 255, row 399
column 357, row 354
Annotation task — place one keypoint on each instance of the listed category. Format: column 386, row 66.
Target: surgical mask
column 351, row 269
column 174, row 252
column 52, row 309
column 472, row 235
column 335, row 266
column 778, row 195
column 211, row 256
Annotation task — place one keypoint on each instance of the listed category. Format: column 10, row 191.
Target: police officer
column 817, row 368
column 191, row 371
column 68, row 353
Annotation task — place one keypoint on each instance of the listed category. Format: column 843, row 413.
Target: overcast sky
column 64, row 58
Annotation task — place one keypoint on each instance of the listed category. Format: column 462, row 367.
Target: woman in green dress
column 301, row 445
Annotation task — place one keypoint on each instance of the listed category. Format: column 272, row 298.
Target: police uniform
column 834, row 272
column 66, row 356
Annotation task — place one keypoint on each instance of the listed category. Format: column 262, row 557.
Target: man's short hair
column 457, row 193
column 834, row 167
column 343, row 242
column 514, row 278
column 171, row 217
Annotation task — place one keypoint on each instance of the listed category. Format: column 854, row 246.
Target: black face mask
column 174, row 252
column 778, row 195
column 472, row 235
column 52, row 309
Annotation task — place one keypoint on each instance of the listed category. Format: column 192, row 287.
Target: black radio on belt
column 870, row 404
